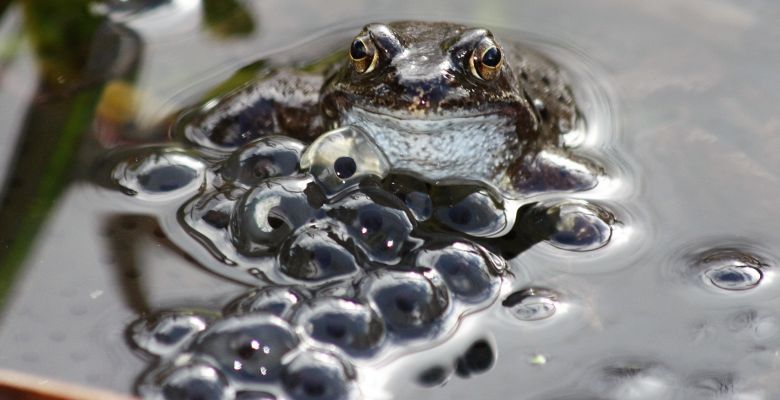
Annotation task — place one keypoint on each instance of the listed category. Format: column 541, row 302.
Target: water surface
column 693, row 92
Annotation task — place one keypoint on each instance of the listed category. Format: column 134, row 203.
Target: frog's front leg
column 552, row 170
column 574, row 225
column 285, row 102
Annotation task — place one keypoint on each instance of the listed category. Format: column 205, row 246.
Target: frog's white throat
column 479, row 147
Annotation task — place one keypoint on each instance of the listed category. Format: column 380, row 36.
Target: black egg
column 197, row 381
column 479, row 357
column 353, row 327
column 261, row 159
column 412, row 192
column 208, row 216
column 254, row 395
column 344, row 167
column 410, row 303
column 470, row 210
column 376, row 221
column 266, row 215
column 249, row 347
column 469, row 275
column 167, row 178
column 158, row 172
column 433, row 376
column 317, row 253
column 218, row 218
column 167, row 332
column 317, row 376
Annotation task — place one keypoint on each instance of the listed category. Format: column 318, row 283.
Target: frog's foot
column 552, row 170
column 569, row 224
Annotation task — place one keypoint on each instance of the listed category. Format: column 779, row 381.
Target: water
column 690, row 161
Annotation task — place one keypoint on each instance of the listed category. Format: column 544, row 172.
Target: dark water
column 680, row 304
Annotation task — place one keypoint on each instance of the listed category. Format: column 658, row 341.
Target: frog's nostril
column 423, row 95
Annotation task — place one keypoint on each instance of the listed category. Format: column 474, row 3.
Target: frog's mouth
column 478, row 146
column 428, row 115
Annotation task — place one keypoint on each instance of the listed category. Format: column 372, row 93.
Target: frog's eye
column 363, row 54
column 486, row 60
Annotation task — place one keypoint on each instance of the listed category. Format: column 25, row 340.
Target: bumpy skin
column 423, row 105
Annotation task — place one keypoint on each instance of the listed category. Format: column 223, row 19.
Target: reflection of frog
column 441, row 100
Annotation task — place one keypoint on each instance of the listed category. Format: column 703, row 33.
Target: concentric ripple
column 725, row 269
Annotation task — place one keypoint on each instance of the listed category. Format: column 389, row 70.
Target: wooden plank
column 20, row 386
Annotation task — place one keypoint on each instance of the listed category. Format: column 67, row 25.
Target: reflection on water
column 680, row 303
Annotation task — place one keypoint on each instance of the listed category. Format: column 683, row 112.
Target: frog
column 441, row 100
column 274, row 188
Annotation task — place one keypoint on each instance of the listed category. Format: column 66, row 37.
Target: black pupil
column 345, row 167
column 358, row 50
column 491, row 57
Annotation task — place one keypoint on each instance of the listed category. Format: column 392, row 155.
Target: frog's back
column 546, row 87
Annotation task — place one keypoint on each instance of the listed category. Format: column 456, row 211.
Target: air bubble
column 266, row 215
column 335, row 149
column 317, row 253
column 731, row 269
column 249, row 348
column 580, row 226
column 166, row 333
column 410, row 303
column 465, row 270
column 315, row 375
column 264, row 158
column 532, row 304
column 159, row 173
column 354, row 327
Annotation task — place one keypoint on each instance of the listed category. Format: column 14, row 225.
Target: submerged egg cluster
column 276, row 210
column 303, row 343
column 353, row 262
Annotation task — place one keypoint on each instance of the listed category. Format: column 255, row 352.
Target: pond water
column 681, row 304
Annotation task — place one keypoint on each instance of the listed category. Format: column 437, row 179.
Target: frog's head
column 427, row 71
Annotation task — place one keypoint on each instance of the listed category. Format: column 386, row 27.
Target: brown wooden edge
column 20, row 386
